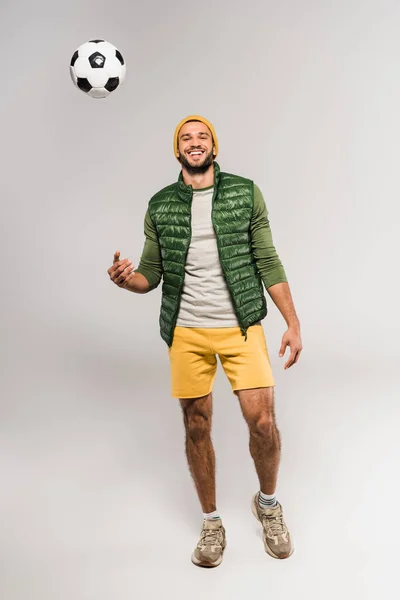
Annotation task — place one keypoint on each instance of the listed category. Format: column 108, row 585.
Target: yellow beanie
column 194, row 118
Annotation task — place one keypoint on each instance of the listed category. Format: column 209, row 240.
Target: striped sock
column 212, row 515
column 267, row 501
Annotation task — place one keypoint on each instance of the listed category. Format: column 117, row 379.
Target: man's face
column 196, row 148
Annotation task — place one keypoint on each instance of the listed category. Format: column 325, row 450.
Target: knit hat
column 194, row 118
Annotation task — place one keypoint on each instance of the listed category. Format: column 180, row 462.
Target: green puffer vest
column 232, row 206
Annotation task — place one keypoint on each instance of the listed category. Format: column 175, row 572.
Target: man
column 208, row 236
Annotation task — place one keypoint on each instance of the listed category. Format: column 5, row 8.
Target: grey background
column 96, row 501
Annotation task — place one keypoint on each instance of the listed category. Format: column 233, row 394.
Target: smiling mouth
column 196, row 153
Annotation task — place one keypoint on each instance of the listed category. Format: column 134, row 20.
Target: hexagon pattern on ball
column 97, row 68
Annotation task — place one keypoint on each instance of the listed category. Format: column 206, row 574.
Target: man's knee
column 257, row 406
column 262, row 425
column 197, row 413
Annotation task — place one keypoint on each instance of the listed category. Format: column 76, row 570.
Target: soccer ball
column 97, row 68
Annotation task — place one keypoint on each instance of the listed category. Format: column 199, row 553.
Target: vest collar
column 185, row 191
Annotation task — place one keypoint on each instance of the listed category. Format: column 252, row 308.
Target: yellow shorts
column 193, row 359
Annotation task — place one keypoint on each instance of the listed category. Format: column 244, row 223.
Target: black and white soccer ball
column 97, row 68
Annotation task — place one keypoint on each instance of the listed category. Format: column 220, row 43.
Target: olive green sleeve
column 150, row 265
column 267, row 259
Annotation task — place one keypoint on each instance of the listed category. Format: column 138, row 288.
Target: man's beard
column 197, row 169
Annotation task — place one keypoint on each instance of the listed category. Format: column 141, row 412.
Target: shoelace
column 275, row 524
column 210, row 536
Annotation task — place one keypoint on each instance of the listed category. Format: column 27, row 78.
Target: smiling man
column 196, row 149
column 208, row 236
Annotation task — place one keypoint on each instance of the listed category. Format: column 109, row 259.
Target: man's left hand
column 292, row 339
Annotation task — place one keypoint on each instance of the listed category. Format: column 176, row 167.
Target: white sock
column 267, row 501
column 212, row 515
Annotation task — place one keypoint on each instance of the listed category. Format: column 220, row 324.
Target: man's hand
column 123, row 275
column 281, row 295
column 292, row 339
column 121, row 272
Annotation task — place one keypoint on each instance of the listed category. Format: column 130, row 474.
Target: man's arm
column 282, row 297
column 150, row 265
column 274, row 278
column 268, row 262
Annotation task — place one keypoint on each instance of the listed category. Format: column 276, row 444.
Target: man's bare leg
column 265, row 443
column 197, row 416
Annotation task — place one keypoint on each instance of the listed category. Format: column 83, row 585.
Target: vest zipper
column 242, row 329
column 184, row 263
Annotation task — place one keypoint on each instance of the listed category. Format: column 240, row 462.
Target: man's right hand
column 123, row 275
column 122, row 271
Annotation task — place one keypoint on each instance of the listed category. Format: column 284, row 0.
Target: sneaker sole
column 267, row 548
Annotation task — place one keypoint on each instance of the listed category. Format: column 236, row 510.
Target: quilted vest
column 232, row 206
